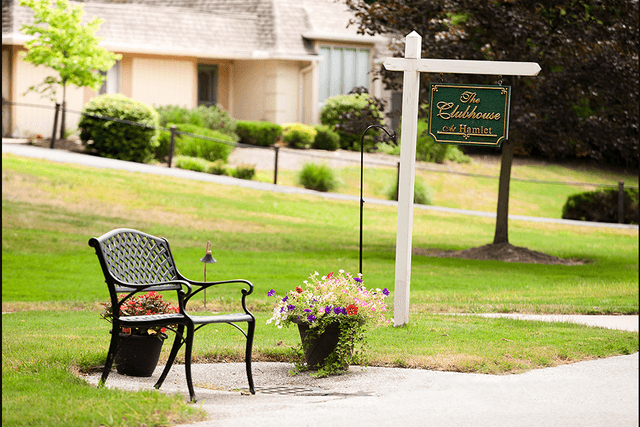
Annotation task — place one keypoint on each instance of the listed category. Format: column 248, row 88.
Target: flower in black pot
column 139, row 348
column 332, row 313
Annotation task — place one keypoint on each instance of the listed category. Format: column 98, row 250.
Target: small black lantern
column 207, row 259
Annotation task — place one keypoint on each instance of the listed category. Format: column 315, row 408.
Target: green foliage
column 188, row 145
column 428, row 151
column 219, row 167
column 319, row 177
column 263, row 134
column 326, row 139
column 341, row 109
column 62, row 43
column 118, row 140
column 192, row 163
column 244, row 172
column 584, row 103
column 426, row 148
column 298, row 135
column 422, row 193
column 212, row 117
column 602, row 206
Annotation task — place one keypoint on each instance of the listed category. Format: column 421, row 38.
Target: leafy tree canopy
column 583, row 104
column 67, row 46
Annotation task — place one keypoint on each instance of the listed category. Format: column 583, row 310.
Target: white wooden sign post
column 412, row 66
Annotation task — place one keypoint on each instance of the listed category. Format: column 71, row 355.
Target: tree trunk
column 502, row 219
column 64, row 106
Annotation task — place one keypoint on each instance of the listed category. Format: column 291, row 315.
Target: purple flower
column 311, row 318
column 385, row 291
column 291, row 307
column 271, row 293
column 285, row 298
column 306, row 310
column 327, row 309
column 357, row 279
column 340, row 310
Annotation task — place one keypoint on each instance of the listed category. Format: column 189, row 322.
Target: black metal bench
column 134, row 262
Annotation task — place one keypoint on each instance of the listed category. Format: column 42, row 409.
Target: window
column 112, row 83
column 342, row 69
column 207, row 85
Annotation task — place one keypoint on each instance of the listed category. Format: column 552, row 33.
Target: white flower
column 340, row 271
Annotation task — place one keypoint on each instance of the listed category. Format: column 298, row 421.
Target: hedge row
column 602, row 206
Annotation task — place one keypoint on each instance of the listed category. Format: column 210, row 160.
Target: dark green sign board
column 467, row 114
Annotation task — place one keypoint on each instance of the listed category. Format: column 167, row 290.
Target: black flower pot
column 138, row 355
column 318, row 348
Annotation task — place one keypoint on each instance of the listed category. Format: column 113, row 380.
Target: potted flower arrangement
column 139, row 348
column 332, row 313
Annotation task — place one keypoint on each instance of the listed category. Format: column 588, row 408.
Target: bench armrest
column 204, row 285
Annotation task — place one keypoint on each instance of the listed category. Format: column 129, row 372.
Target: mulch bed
column 500, row 252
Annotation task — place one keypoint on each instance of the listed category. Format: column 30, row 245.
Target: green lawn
column 50, row 210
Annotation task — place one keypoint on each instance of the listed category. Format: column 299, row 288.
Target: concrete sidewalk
column 594, row 393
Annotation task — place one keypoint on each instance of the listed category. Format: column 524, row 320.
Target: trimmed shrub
column 212, row 117
column 174, row 114
column 298, row 135
column 215, row 118
column 263, row 134
column 191, row 163
column 195, row 147
column 427, row 150
column 350, row 115
column 245, row 172
column 219, row 167
column 326, row 139
column 422, row 193
column 602, row 206
column 118, row 140
column 317, row 177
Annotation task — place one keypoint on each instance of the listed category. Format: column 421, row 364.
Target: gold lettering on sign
column 444, row 112
column 469, row 97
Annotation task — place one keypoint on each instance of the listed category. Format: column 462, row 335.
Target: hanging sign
column 467, row 114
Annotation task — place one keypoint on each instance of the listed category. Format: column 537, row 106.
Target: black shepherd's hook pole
column 392, row 136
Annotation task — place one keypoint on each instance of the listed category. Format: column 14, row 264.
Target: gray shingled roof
column 206, row 28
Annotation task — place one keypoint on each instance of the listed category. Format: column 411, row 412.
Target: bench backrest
column 132, row 256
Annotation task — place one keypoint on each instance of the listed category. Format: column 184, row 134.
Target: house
column 274, row 60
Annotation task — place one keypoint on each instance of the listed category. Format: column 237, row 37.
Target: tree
column 67, row 46
column 584, row 103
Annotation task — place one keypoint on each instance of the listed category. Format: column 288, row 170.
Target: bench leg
column 251, row 327
column 111, row 355
column 187, row 361
column 177, row 343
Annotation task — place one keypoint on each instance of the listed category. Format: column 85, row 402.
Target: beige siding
column 310, row 94
column 29, row 120
column 286, row 97
column 6, row 90
column 249, row 90
column 158, row 81
column 267, row 90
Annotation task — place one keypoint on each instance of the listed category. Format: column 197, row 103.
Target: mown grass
column 477, row 193
column 49, row 211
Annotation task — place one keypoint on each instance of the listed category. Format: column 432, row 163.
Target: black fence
column 59, row 109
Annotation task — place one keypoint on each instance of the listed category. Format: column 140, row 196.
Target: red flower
column 352, row 309
column 298, row 289
column 329, row 275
